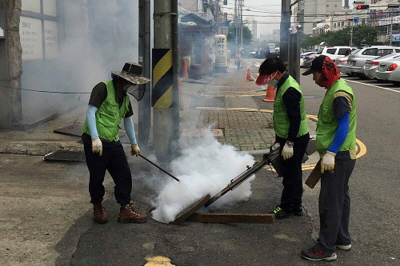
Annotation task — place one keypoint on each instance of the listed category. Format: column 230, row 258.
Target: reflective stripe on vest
column 327, row 123
column 281, row 120
column 109, row 115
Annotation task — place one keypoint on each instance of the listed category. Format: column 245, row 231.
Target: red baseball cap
column 264, row 79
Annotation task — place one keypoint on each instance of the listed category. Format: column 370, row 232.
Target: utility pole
column 351, row 33
column 165, row 93
column 236, row 25
column 391, row 28
column 217, row 14
column 285, row 25
column 144, row 110
column 241, row 23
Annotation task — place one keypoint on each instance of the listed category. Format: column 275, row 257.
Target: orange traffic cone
column 185, row 73
column 248, row 76
column 270, row 96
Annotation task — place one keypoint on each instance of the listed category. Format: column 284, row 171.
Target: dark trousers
column 114, row 161
column 293, row 175
column 334, row 204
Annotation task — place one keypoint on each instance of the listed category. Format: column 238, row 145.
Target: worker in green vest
column 291, row 131
column 336, row 144
column 109, row 103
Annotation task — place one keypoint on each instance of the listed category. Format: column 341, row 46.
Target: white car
column 390, row 71
column 341, row 63
column 371, row 65
column 335, row 51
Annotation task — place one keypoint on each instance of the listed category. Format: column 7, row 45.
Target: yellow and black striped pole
column 162, row 94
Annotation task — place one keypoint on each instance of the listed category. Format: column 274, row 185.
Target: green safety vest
column 327, row 123
column 109, row 115
column 281, row 120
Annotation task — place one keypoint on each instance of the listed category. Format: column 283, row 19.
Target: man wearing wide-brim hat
column 109, row 103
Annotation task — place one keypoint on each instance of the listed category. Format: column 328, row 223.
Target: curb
column 38, row 147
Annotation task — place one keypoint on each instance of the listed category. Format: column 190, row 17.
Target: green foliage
column 362, row 35
column 247, row 35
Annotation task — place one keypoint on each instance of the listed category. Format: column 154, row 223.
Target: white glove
column 97, row 146
column 328, row 161
column 135, row 150
column 287, row 151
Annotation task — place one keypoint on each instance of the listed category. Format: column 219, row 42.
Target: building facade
column 53, row 53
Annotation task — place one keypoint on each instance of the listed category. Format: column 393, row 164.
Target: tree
column 247, row 36
column 362, row 35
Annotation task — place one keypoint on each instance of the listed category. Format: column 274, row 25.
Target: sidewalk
column 228, row 104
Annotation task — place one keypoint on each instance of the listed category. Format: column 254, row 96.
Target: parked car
column 389, row 71
column 371, row 65
column 336, row 51
column 308, row 60
column 356, row 62
column 303, row 56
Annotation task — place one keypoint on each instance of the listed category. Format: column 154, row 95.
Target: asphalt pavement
column 46, row 214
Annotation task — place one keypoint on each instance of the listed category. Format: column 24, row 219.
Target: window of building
column 38, row 29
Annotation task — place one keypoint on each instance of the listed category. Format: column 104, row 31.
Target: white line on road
column 386, row 89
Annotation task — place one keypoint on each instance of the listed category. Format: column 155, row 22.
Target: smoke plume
column 205, row 167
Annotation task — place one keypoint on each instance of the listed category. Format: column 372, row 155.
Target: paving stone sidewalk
column 234, row 106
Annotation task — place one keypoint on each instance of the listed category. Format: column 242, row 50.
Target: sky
column 267, row 13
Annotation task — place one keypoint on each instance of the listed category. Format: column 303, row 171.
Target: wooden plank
column 180, row 218
column 250, row 218
column 314, row 176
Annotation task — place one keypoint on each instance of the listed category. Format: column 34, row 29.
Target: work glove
column 97, row 146
column 287, row 151
column 328, row 162
column 135, row 150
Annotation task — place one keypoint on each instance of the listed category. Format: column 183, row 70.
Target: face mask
column 129, row 88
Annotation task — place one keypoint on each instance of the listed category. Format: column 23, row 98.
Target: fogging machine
column 273, row 157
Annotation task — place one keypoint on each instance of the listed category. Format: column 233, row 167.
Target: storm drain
column 65, row 156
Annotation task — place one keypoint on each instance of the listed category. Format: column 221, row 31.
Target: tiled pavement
column 239, row 113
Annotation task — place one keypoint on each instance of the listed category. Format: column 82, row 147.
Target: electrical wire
column 44, row 91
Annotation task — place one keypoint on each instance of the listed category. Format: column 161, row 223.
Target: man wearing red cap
column 291, row 131
column 336, row 144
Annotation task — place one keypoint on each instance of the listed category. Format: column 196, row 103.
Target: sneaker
column 344, row 247
column 317, row 254
column 128, row 215
column 280, row 213
column 298, row 211
column 99, row 213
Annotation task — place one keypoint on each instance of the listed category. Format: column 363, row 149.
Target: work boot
column 99, row 213
column 280, row 213
column 128, row 215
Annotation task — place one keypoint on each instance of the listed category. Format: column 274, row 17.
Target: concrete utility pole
column 285, row 25
column 165, row 93
column 144, row 59
column 241, row 23
column 236, row 25
column 217, row 20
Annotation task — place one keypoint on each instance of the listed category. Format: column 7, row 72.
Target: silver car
column 390, row 71
column 342, row 63
column 371, row 65
column 356, row 62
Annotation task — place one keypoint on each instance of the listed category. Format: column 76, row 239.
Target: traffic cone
column 270, row 95
column 185, row 73
column 248, row 76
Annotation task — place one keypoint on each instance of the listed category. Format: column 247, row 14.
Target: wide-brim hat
column 132, row 72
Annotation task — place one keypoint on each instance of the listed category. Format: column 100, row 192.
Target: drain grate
column 65, row 156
